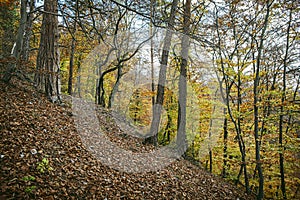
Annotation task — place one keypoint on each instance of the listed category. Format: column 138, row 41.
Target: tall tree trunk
column 181, row 120
column 73, row 45
column 225, row 124
column 260, row 194
column 152, row 53
column 8, row 21
column 283, row 98
column 162, row 76
column 18, row 46
column 47, row 75
column 71, row 66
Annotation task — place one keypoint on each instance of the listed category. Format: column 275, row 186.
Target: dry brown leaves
column 32, row 129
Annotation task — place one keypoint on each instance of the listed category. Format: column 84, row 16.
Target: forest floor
column 42, row 156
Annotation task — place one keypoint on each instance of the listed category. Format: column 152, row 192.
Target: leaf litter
column 33, row 129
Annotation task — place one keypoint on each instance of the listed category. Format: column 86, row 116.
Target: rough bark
column 28, row 31
column 47, row 67
column 18, row 46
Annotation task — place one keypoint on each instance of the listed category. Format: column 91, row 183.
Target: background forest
column 224, row 71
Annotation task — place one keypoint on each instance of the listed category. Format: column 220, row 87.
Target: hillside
column 43, row 157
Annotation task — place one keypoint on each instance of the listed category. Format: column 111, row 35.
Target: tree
column 8, row 20
column 152, row 7
column 162, row 76
column 282, row 109
column 28, row 31
column 260, row 194
column 73, row 45
column 181, row 122
column 47, row 77
column 250, row 52
column 18, row 46
column 230, row 78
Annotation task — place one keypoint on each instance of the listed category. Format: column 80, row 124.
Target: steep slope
column 43, row 157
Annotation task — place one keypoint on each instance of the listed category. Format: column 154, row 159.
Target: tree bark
column 152, row 53
column 181, row 121
column 18, row 46
column 28, row 32
column 225, row 138
column 47, row 77
column 162, row 77
column 77, row 90
column 73, row 46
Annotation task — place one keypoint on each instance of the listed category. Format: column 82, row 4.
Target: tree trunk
column 77, row 89
column 225, row 138
column 71, row 66
column 115, row 87
column 283, row 98
column 73, row 45
column 18, row 46
column 152, row 54
column 28, row 32
column 100, row 88
column 162, row 76
column 181, row 121
column 47, row 75
column 260, row 194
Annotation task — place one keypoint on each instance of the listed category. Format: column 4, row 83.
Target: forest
column 215, row 82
